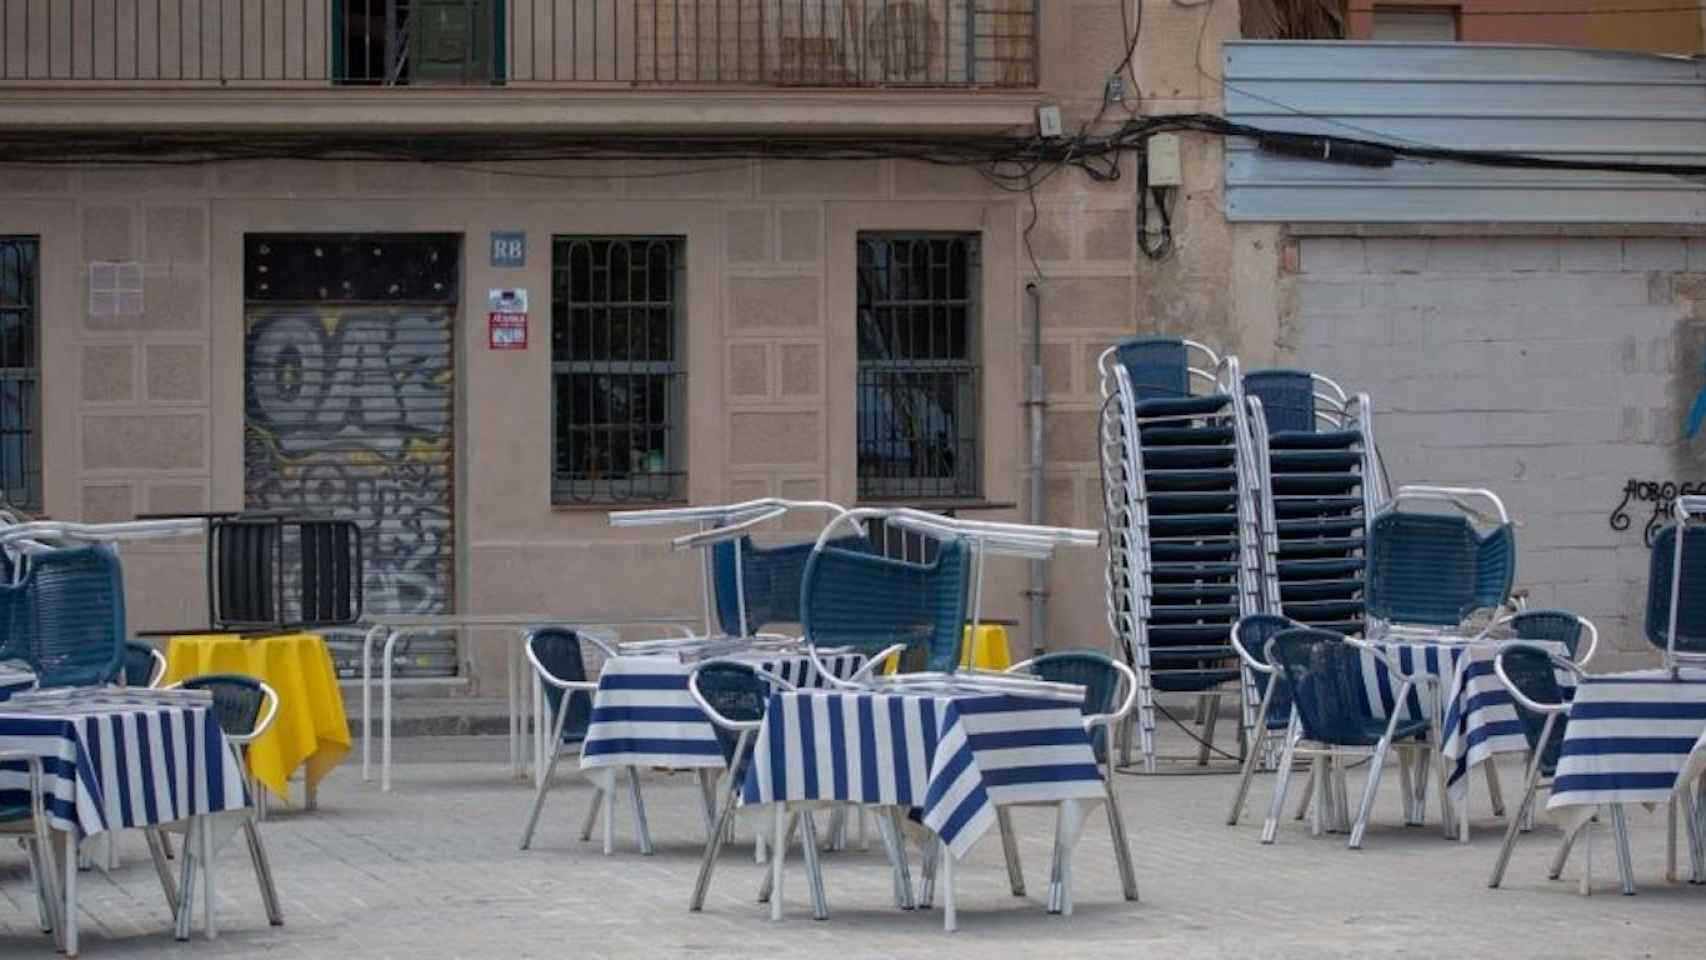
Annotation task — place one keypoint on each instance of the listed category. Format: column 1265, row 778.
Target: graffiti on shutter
column 349, row 415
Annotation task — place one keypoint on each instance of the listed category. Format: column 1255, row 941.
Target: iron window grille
column 918, row 401
column 20, row 415
column 617, row 378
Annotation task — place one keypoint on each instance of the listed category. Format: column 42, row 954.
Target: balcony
column 405, row 64
column 692, row 43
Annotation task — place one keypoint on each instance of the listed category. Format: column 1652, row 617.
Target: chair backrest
column 71, row 621
column 237, row 700
column 737, row 694
column 1096, row 673
column 1324, row 675
column 1436, row 569
column 1158, row 367
column 1691, row 602
column 770, row 578
column 558, row 651
column 1288, row 398
column 1557, row 626
column 1533, row 672
column 253, row 583
column 855, row 599
column 141, row 663
column 1252, row 634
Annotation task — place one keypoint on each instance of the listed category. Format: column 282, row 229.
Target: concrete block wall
column 1552, row 369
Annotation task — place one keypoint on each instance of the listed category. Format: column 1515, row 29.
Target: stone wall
column 1551, row 369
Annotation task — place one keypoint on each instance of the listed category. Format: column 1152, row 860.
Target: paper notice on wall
column 506, row 319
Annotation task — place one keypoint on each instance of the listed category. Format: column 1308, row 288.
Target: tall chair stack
column 1321, row 485
column 1180, row 499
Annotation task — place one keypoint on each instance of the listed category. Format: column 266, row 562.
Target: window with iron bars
column 918, row 371
column 20, row 438
column 617, row 377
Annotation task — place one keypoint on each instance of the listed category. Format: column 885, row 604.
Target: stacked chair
column 1433, row 572
column 1676, row 615
column 1180, row 489
column 1321, row 485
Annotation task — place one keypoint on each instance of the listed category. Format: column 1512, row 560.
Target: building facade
column 479, row 360
column 1634, row 25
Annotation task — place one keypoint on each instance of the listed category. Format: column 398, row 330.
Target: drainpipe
column 1038, row 592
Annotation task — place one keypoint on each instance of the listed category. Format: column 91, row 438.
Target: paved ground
column 432, row 870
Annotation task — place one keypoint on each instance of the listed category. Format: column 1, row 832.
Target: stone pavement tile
column 433, row 870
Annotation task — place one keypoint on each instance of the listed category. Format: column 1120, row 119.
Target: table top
column 417, row 621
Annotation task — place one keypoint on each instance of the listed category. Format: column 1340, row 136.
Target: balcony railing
column 710, row 43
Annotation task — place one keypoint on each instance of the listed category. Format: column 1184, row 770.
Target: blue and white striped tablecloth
column 1435, row 660
column 1629, row 739
column 954, row 756
column 1480, row 716
column 116, row 760
column 15, row 678
column 643, row 716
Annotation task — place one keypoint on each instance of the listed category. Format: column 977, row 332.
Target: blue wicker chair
column 764, row 587
column 558, row 661
column 1430, row 572
column 1250, row 637
column 881, row 607
column 1555, row 626
column 1676, row 588
column 23, row 814
column 1530, row 673
column 734, row 695
column 1110, row 692
column 70, row 618
column 144, row 665
column 245, row 709
column 1323, row 672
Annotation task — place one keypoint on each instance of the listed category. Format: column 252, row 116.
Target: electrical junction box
column 1048, row 121
column 1162, row 155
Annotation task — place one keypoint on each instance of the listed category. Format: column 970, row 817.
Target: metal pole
column 1038, row 592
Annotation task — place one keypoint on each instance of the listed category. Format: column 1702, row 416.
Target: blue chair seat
column 1192, row 613
column 1294, row 461
column 1315, row 484
column 1295, row 570
column 1323, row 527
column 1163, row 481
column 1300, row 591
column 1195, row 502
column 1339, row 549
column 1297, row 508
column 1192, row 553
column 1198, row 525
column 13, row 813
column 1192, row 592
column 1313, row 440
column 1182, row 406
column 1169, row 434
column 1187, row 458
column 1311, row 611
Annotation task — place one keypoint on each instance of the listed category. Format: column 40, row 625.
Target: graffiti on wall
column 1656, row 498
column 349, row 414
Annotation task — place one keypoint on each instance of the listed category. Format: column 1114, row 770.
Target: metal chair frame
column 1060, row 871
column 589, row 687
column 182, row 900
column 1688, row 511
column 1588, row 629
column 1330, row 808
column 1534, row 779
column 729, row 788
column 1128, row 575
column 37, row 839
column 158, row 671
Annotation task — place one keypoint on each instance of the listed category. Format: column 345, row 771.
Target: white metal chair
column 28, row 823
column 1106, row 705
column 1529, row 671
column 556, row 657
column 245, row 708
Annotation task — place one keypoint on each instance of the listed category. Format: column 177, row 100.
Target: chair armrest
column 1558, row 663
column 714, row 535
column 860, row 675
column 1593, row 640
column 1457, row 496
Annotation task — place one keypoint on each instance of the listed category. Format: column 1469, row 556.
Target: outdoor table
column 1632, row 738
column 15, row 678
column 309, row 730
column 644, row 716
column 953, row 756
column 1458, row 691
column 120, row 759
column 394, row 627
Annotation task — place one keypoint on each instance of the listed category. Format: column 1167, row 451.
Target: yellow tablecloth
column 310, row 729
